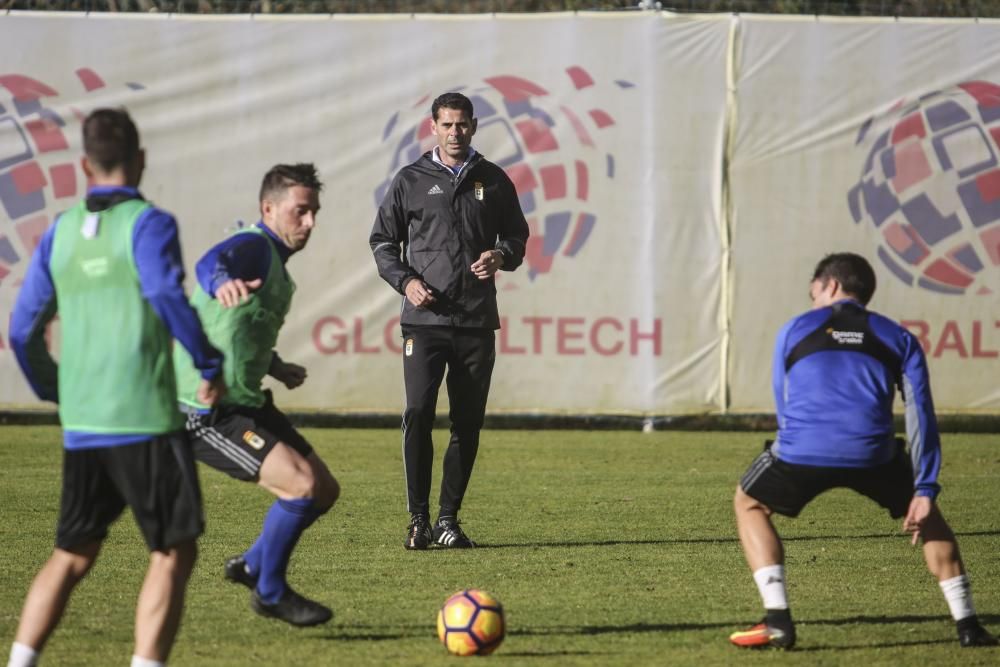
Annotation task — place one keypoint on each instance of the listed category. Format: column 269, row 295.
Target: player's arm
column 157, row 251
column 513, row 238
column 778, row 372
column 34, row 309
column 232, row 270
column 389, row 235
column 289, row 374
column 921, row 423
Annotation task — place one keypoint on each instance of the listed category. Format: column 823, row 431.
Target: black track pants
column 467, row 355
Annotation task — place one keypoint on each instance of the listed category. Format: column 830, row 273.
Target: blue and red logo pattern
column 931, row 185
column 548, row 147
column 37, row 170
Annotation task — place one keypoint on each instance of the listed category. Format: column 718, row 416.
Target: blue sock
column 268, row 557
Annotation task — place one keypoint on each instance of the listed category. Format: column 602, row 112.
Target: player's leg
column 159, row 481
column 305, row 490
column 770, row 485
column 470, row 369
column 47, row 599
column 425, row 354
column 891, row 486
column 161, row 601
column 89, row 503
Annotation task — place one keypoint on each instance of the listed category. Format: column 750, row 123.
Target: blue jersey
column 835, row 374
column 243, row 256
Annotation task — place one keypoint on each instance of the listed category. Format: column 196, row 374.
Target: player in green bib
column 243, row 295
column 111, row 266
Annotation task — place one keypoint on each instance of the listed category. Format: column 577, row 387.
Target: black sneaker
column 448, row 533
column 418, row 535
column 292, row 608
column 972, row 634
column 236, row 572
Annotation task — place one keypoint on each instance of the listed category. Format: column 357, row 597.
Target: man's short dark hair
column 280, row 177
column 853, row 272
column 110, row 139
column 456, row 101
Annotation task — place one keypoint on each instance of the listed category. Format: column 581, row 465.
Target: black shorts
column 156, row 478
column 236, row 439
column 786, row 488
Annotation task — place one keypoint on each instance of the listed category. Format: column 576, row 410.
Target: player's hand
column 290, row 375
column 916, row 517
column 210, row 391
column 234, row 292
column 488, row 263
column 418, row 293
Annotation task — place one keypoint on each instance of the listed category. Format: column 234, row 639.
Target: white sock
column 770, row 581
column 958, row 594
column 146, row 662
column 22, row 655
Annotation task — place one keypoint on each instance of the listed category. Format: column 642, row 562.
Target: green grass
column 605, row 548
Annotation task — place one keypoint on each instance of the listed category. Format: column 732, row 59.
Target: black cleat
column 973, row 634
column 236, row 572
column 292, row 608
column 418, row 535
column 448, row 533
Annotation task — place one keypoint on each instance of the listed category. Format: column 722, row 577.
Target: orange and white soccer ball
column 471, row 622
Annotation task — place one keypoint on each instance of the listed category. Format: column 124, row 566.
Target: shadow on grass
column 708, row 540
column 365, row 632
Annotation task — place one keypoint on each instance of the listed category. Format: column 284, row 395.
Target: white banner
column 879, row 137
column 611, row 125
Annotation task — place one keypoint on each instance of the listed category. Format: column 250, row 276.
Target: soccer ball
column 471, row 622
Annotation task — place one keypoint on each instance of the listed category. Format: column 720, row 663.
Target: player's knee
column 76, row 563
column 418, row 417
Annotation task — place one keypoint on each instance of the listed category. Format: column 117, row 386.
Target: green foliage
column 606, row 548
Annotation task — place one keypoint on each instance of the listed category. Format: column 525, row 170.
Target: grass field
column 606, row 548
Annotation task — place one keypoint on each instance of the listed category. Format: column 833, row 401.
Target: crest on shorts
column 409, row 347
column 253, row 440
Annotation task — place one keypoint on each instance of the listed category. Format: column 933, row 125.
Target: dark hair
column 280, row 177
column 110, row 139
column 452, row 101
column 853, row 272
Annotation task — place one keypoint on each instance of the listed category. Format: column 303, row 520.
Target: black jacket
column 443, row 224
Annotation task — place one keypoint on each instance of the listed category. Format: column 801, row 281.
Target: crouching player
column 835, row 372
column 243, row 294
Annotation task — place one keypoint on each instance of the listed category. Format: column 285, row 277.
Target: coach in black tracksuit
column 458, row 220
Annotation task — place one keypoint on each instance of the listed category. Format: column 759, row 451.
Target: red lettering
column 635, row 337
column 564, row 334
column 595, row 339
column 919, row 329
column 536, row 324
column 977, row 343
column 951, row 339
column 359, row 338
column 390, row 337
column 328, row 337
column 505, row 346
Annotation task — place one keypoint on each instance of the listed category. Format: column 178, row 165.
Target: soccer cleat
column 418, row 535
column 763, row 635
column 292, row 608
column 975, row 635
column 236, row 572
column 449, row 534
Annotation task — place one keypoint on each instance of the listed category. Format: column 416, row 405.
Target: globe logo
column 38, row 174
column 545, row 141
column 930, row 185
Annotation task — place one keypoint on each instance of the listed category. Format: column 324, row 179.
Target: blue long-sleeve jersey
column 835, row 373
column 243, row 256
column 157, row 252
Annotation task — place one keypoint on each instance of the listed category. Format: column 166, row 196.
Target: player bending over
column 836, row 368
